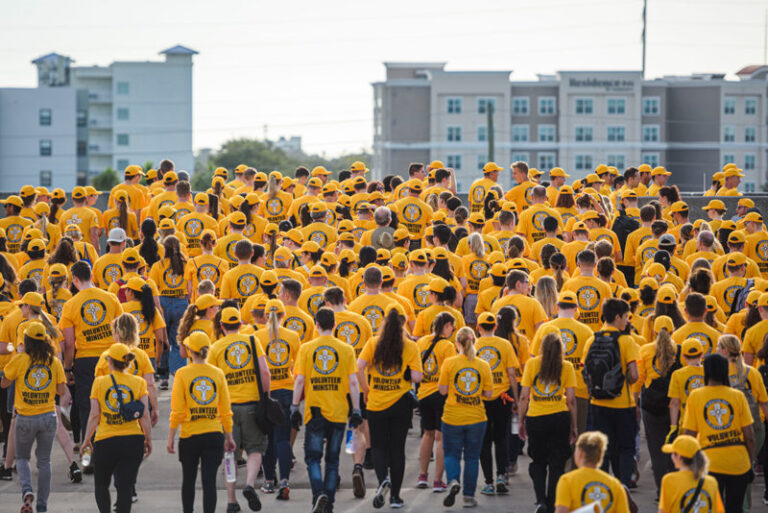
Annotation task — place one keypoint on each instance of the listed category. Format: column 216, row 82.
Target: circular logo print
column 648, row 254
column 545, row 389
column 247, row 284
column 569, row 341
column 692, row 383
column 375, row 315
column 112, row 399
column 319, row 238
column 348, row 332
column 565, row 216
column 467, row 381
column 230, row 249
column 325, row 359
column 143, row 326
column 315, row 302
column 274, row 206
column 114, row 223
column 249, row 230
column 491, row 355
column 718, row 414
column 387, row 373
column 208, row 272
column 193, row 228
column 421, row 295
column 111, row 273
column 706, row 342
column 762, row 250
column 529, row 194
column 14, row 232
column 36, row 275
column 604, row 236
column 358, row 232
column 37, row 377
column 730, row 294
column 93, row 312
column 412, row 213
column 278, row 351
column 478, row 269
column 181, row 213
column 703, row 502
column 588, row 298
column 202, row 389
column 237, row 355
column 596, row 491
column 478, row 194
column 430, row 364
column 295, row 324
column 517, row 314
column 538, row 220
column 173, row 281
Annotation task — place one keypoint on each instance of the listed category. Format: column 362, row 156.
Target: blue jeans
column 318, row 430
column 173, row 311
column 38, row 430
column 279, row 441
column 468, row 438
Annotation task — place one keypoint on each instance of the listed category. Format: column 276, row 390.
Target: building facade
column 574, row 119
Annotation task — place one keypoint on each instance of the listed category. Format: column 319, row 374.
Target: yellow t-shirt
column 372, row 307
column 466, row 381
column 499, row 354
column 33, row 270
column 111, row 219
column 521, row 194
column 281, row 354
column 587, row 485
column 529, row 312
column 574, row 335
column 35, row 384
column 147, row 338
column 443, row 349
column 111, row 423
column 753, row 338
column 590, row 293
column 170, row 283
column 414, row 215
column 426, row 317
column 140, row 366
column 311, row 299
column 326, row 364
column 225, row 248
column 475, row 268
column 205, row 267
column 200, row 400
column 717, row 414
column 275, row 209
column 682, row 383
column 531, row 225
column 91, row 312
column 83, row 217
column 232, row 354
column 192, row 226
column 629, row 353
column 547, row 398
column 299, row 321
column 241, row 282
column 415, row 289
column 477, row 193
column 387, row 386
column 354, row 329
column 701, row 331
column 677, row 489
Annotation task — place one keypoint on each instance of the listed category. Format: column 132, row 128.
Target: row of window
column 547, row 133
column 521, row 105
column 46, row 116
column 749, row 160
column 46, row 148
column 750, row 106
column 750, row 134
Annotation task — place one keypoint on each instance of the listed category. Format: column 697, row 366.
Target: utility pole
column 765, row 39
column 645, row 22
column 489, row 114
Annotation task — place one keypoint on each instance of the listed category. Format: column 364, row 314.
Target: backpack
column 653, row 398
column 740, row 298
column 754, row 409
column 602, row 370
column 121, row 291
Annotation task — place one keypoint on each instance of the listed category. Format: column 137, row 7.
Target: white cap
column 116, row 235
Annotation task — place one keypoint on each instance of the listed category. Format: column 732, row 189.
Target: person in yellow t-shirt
column 720, row 418
column 275, row 203
column 480, row 187
column 351, row 327
column 121, row 216
column 591, row 292
column 202, row 412
column 80, row 216
column 696, row 327
column 531, row 224
column 690, row 488
column 520, row 194
column 195, row 224
column 140, row 303
column 548, row 416
column 296, row 319
column 466, row 381
column 684, row 381
column 753, row 337
column 441, row 296
column 588, row 484
column 205, row 266
column 118, row 442
column 240, row 357
column 325, row 375
column 530, row 314
column 38, row 377
column 242, row 281
column 413, row 214
column 372, row 305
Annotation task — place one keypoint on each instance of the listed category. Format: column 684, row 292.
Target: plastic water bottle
column 351, row 445
column 229, row 467
column 86, row 459
column 515, row 424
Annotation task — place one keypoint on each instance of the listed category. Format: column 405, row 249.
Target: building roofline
column 415, row 64
column 179, row 50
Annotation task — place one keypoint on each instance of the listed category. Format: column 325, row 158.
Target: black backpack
column 602, row 370
column 653, row 398
column 740, row 298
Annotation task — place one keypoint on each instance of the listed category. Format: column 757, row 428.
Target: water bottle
column 229, row 467
column 515, row 424
column 351, row 445
column 86, row 459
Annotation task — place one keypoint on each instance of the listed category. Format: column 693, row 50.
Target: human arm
column 749, row 358
column 674, row 411
column 570, row 400
column 152, row 394
column 266, row 382
column 632, row 373
column 160, row 344
column 362, row 382
column 512, row 375
column 146, row 426
column 93, row 421
column 522, row 409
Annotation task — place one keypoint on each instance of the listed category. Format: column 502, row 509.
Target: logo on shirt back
column 247, row 284
column 208, row 272
column 230, row 250
column 296, row 324
column 172, row 280
column 421, row 295
column 375, row 315
column 569, row 341
column 325, row 359
column 478, row 194
column 718, row 414
column 37, row 377
column 538, row 220
column 36, row 275
column 693, row 382
column 193, row 228
column 278, row 352
column 545, row 389
column 319, row 238
column 430, row 365
column 596, row 491
column 111, row 273
column 491, row 355
column 202, row 389
column 112, row 400
column 467, row 381
column 143, row 326
column 478, row 269
column 703, row 502
column 237, row 355
column 274, row 206
column 761, row 248
column 412, row 213
column 93, row 312
column 394, row 371
column 314, row 303
column 588, row 298
column 348, row 332
column 706, row 342
column 14, row 232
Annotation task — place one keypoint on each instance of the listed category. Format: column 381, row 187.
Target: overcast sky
column 305, row 68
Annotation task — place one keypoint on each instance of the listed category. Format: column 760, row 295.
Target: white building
column 290, row 145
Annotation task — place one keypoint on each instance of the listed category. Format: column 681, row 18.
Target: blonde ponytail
column 465, row 338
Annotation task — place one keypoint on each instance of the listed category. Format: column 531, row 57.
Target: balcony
column 100, row 149
column 99, row 97
column 100, row 123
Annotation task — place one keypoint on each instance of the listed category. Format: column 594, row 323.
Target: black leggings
column 498, row 415
column 121, row 456
column 549, row 448
column 5, row 419
column 733, row 488
column 389, row 429
column 206, row 451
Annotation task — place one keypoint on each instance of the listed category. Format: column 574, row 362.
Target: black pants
column 84, row 369
column 498, row 415
column 620, row 426
column 206, row 451
column 121, row 456
column 389, row 429
column 656, row 429
column 629, row 273
column 732, row 490
column 549, row 448
column 5, row 419
column 74, row 416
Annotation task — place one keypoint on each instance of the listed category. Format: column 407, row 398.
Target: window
column 453, row 161
column 750, row 106
column 521, row 157
column 519, row 133
column 123, row 88
column 546, row 161
column 729, row 106
column 750, row 134
column 728, row 158
column 651, row 106
column 45, row 117
column 616, row 160
column 547, row 106
column 520, row 106
column 652, row 159
column 616, row 134
column 729, row 134
column 454, row 134
column 482, row 133
column 749, row 161
column 749, row 186
column 546, row 133
column 617, row 105
column 46, row 147
column 482, row 159
column 82, row 148
column 122, row 163
column 123, row 139
column 453, row 105
column 482, row 105
column 583, row 133
column 650, row 133
column 82, row 118
column 123, row 114
column 583, row 162
column 585, row 105
column 46, row 178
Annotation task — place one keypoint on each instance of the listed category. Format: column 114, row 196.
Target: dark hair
column 366, row 256
column 443, row 269
column 39, row 351
column 439, row 323
column 716, row 370
column 672, row 311
column 334, row 296
column 325, row 319
column 243, row 249
column 701, row 280
column 447, row 296
column 696, row 304
column 551, row 359
column 7, row 271
column 672, row 194
column 29, row 285
column 586, row 257
column 173, row 253
column 389, row 348
column 372, row 277
column 80, row 270
column 56, row 204
column 647, row 213
column 506, row 327
column 613, row 308
column 148, row 248
column 291, row 287
column 148, row 308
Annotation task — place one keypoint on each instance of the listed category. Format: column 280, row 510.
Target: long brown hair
column 122, row 213
column 666, row 352
column 389, row 348
column 191, row 314
column 551, row 359
column 173, row 253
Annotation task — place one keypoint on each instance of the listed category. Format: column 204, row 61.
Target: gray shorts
column 245, row 431
column 470, row 302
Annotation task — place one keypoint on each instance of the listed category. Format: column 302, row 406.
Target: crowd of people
column 553, row 319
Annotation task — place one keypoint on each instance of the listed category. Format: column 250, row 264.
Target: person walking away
column 690, row 488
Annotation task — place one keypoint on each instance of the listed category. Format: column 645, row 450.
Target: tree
column 202, row 178
column 258, row 154
column 105, row 180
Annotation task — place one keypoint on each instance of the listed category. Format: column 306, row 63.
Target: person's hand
column 147, row 447
column 671, row 435
column 229, row 443
column 355, row 419
column 521, row 431
column 70, row 377
column 169, row 447
column 154, row 416
column 87, row 445
column 574, row 435
column 295, row 417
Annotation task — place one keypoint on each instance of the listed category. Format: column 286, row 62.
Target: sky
column 306, row 68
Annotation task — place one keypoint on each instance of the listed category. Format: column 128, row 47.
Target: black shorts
column 431, row 411
column 363, row 411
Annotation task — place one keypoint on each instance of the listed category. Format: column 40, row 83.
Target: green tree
column 258, row 154
column 105, row 180
column 202, row 178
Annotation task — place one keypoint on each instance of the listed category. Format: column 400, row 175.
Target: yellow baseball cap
column 230, row 315
column 317, row 271
column 438, row 285
column 644, row 168
column 118, row 351
column 477, row 218
column 498, row 270
column 558, row 172
column 733, row 171
column 166, row 224
column 201, row 198
column 684, row 445
column 418, row 256
column 42, row 209
column 737, row 237
column 91, row 191
column 491, row 167
column 718, row 176
column 398, row 261
column 282, row 253
column 32, row 299
column 678, row 206
column 151, row 174
column 486, row 318
column 714, row 204
column 415, row 185
column 436, row 164
column 320, row 171
column 358, row 166
column 170, row 177
column 387, row 274
column 206, row 301
column 274, row 305
column 27, row 191
column 763, row 300
column 134, row 170
column 692, row 348
column 237, row 219
column 310, row 247
column 666, row 295
column 660, row 170
column 314, row 182
column 753, row 217
column 35, row 330
column 131, row 256
column 36, row 245
column 736, row 259
column 57, row 271
column 746, row 202
column 13, row 200
column 197, row 341
column 663, row 322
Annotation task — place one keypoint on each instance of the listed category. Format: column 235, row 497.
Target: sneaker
column 134, row 497
column 381, row 494
column 439, row 487
column 470, row 502
column 501, row 486
column 75, row 474
column 284, row 492
column 320, row 503
column 541, row 508
column 6, row 474
column 241, row 463
column 453, row 489
column 765, row 497
column 396, row 502
column 268, row 487
column 368, row 460
column 759, row 470
column 512, row 469
column 163, row 384
column 423, row 481
column 233, row 507
column 29, row 498
column 253, row 499
column 358, row 482
column 488, row 489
